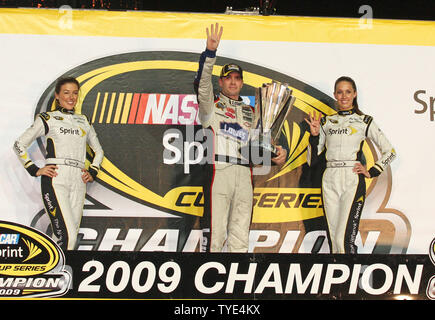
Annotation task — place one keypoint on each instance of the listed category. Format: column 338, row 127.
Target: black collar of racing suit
column 64, row 110
column 232, row 101
column 346, row 112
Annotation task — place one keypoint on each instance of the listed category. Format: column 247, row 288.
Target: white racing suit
column 67, row 134
column 343, row 191
column 228, row 189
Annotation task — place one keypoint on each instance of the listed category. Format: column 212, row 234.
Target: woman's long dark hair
column 61, row 81
column 352, row 82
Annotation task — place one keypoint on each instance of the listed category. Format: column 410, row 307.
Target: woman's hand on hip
column 49, row 171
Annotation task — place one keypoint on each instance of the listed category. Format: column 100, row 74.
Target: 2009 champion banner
column 136, row 77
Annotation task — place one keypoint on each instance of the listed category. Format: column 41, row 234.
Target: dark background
column 382, row 9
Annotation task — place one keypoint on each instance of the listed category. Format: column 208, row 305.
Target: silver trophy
column 273, row 102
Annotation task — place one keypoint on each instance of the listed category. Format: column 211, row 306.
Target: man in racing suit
column 344, row 188
column 67, row 134
column 228, row 190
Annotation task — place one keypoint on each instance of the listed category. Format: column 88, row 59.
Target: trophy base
column 257, row 151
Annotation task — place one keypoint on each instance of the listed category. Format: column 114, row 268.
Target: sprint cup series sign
column 140, row 233
column 146, row 116
column 31, row 264
column 148, row 197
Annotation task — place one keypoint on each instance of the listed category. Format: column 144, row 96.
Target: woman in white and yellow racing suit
column 341, row 136
column 64, row 177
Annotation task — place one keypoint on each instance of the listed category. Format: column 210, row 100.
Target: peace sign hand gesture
column 214, row 36
column 314, row 123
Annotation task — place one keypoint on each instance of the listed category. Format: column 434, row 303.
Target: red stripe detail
column 167, row 96
column 142, row 107
column 211, row 189
column 166, row 101
column 211, row 205
column 133, row 109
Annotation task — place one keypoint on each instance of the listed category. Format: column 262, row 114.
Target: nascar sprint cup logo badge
column 31, row 264
column 148, row 195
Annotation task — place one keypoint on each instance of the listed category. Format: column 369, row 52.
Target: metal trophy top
column 273, row 103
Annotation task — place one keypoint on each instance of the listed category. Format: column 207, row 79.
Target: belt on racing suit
column 340, row 164
column 67, row 162
column 233, row 160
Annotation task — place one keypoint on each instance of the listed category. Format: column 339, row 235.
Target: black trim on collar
column 64, row 110
column 240, row 98
column 346, row 112
column 232, row 101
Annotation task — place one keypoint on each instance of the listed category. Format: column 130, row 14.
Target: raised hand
column 314, row 123
column 214, row 36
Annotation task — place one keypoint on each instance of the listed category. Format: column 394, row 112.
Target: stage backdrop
column 137, row 71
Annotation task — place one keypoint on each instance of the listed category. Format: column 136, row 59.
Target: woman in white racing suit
column 341, row 136
column 64, row 176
